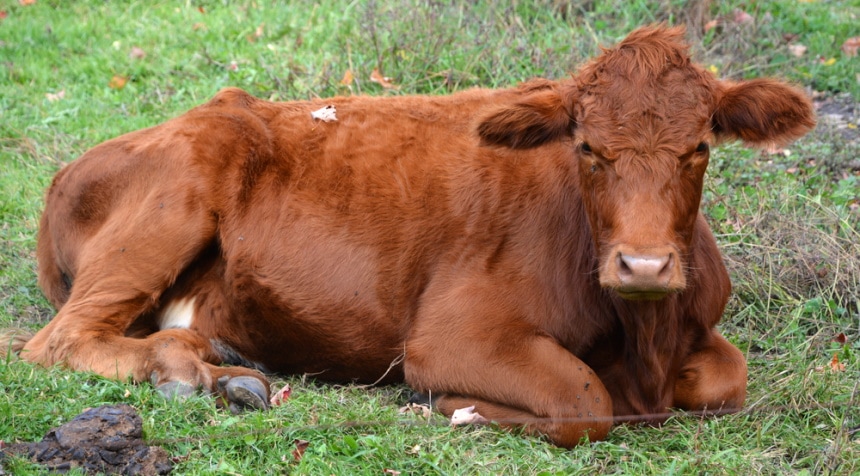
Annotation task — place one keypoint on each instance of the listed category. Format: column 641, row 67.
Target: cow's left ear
column 540, row 117
column 762, row 112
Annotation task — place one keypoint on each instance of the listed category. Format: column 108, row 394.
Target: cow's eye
column 585, row 148
column 703, row 147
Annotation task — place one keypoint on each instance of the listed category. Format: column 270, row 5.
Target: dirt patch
column 107, row 439
column 839, row 126
column 839, row 112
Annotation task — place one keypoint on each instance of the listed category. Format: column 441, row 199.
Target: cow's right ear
column 540, row 117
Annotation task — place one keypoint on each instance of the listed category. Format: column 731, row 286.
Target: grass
column 788, row 225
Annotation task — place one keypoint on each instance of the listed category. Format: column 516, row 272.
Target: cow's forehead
column 656, row 101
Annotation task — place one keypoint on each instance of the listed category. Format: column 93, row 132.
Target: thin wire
column 435, row 420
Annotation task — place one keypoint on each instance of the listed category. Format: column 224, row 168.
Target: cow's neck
column 652, row 342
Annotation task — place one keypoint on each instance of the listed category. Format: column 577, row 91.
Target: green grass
column 788, row 226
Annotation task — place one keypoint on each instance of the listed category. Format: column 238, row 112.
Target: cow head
column 641, row 119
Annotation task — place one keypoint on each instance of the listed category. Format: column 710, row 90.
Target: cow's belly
column 291, row 299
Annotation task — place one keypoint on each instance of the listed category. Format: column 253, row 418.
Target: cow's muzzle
column 644, row 273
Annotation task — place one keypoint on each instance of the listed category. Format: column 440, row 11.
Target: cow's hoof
column 244, row 393
column 418, row 398
column 180, row 390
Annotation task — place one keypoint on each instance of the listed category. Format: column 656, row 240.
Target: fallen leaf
column 840, row 338
column 711, row 25
column 201, row 9
column 416, row 409
column 383, row 81
column 136, row 53
column 117, row 82
column 199, row 26
column 797, row 49
column 836, row 365
column 467, row 416
column 347, row 78
column 393, row 472
column 299, row 451
column 851, row 46
column 325, row 114
column 773, row 150
column 281, row 395
column 53, row 97
column 741, row 17
column 27, row 2
column 256, row 35
column 827, row 62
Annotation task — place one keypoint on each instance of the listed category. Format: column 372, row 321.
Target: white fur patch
column 178, row 314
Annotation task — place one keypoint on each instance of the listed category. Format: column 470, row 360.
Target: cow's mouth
column 651, row 295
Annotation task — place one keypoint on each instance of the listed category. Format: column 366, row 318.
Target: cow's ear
column 762, row 112
column 540, row 117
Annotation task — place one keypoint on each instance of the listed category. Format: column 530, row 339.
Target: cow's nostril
column 623, row 267
column 667, row 268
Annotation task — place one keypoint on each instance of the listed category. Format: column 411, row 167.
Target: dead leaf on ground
column 797, row 50
column 136, row 53
column 467, row 416
column 851, row 46
column 416, row 409
column 393, row 472
column 711, row 25
column 299, row 451
column 53, row 97
column 773, row 150
column 743, row 18
column 836, row 365
column 117, row 82
column 840, row 338
column 281, row 395
column 383, row 81
column 257, row 33
column 347, row 79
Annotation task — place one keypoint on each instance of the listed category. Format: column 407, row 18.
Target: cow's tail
column 55, row 283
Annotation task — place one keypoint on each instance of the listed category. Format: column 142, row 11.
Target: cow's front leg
column 713, row 378
column 466, row 351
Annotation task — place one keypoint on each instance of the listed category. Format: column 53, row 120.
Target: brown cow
column 537, row 252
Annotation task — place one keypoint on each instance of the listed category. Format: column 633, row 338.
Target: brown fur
column 536, row 251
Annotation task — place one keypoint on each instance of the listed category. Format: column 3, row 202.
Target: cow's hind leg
column 122, row 271
column 713, row 378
